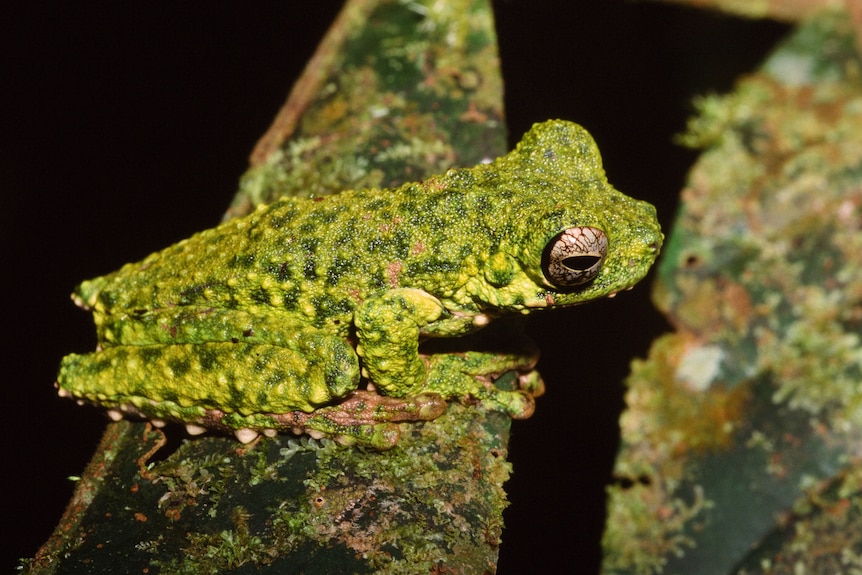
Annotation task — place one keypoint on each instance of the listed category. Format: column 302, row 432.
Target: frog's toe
column 345, row 440
column 246, row 435
column 194, row 429
column 525, row 405
column 518, row 404
column 380, row 436
column 387, row 435
column 430, row 406
column 532, row 383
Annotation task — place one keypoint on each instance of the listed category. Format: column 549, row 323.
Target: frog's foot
column 363, row 418
column 472, row 376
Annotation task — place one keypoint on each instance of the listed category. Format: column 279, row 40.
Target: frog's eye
column 574, row 256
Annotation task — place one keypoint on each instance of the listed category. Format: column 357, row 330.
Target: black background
column 125, row 128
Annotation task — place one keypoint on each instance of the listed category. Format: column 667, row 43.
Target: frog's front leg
column 470, row 376
column 389, row 327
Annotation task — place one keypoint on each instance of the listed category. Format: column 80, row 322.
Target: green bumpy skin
column 273, row 321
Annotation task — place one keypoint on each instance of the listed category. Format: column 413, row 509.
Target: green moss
column 756, row 397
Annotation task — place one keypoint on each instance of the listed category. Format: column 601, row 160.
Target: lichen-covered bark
column 288, row 504
column 751, row 411
column 397, row 91
column 790, row 10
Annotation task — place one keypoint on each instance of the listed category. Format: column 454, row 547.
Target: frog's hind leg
column 194, row 383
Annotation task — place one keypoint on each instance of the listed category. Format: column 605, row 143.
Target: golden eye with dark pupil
column 574, row 256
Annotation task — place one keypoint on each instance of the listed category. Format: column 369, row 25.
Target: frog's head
column 577, row 237
column 572, row 258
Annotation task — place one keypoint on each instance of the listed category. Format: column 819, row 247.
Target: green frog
column 311, row 314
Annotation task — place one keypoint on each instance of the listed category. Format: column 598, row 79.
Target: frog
column 319, row 315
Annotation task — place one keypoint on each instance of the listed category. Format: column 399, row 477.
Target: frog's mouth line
column 546, row 300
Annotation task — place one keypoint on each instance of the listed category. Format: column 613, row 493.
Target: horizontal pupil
column 580, row 262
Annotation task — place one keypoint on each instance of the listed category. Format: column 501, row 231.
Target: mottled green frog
column 308, row 314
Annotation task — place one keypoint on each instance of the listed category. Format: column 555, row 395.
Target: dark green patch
column 375, row 245
column 262, row 357
column 309, row 245
column 237, row 397
column 431, row 266
column 319, row 218
column 377, row 204
column 179, row 365
column 410, row 206
column 151, row 353
column 402, row 241
column 280, row 271
column 108, row 299
column 378, row 282
column 328, row 306
column 193, row 294
column 93, row 363
column 340, row 266
column 260, row 295
column 499, row 277
column 282, row 218
column 290, row 298
column 428, row 219
column 206, row 356
column 331, row 215
column 309, row 268
column 309, row 226
column 241, row 261
column 396, row 246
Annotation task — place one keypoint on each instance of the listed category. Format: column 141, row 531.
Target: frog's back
column 318, row 258
column 314, row 257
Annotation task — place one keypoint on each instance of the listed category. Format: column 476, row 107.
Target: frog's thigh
column 388, row 327
column 233, row 377
column 470, row 375
column 203, row 324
